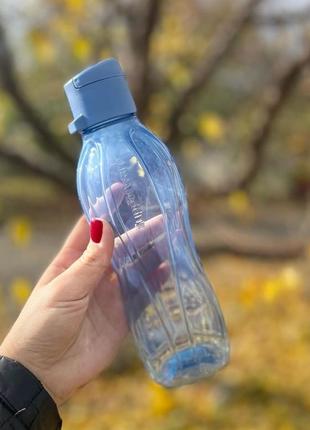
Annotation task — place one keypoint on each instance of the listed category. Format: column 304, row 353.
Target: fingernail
column 96, row 227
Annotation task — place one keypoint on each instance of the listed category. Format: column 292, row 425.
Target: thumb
column 90, row 268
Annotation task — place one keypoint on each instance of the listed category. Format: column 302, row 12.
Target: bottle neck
column 106, row 123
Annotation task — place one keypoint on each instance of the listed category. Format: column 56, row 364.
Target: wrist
column 11, row 352
column 23, row 394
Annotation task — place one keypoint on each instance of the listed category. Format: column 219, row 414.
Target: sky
column 277, row 5
column 272, row 5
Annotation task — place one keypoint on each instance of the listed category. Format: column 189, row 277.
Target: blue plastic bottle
column 127, row 176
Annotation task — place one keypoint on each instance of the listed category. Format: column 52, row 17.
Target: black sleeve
column 24, row 403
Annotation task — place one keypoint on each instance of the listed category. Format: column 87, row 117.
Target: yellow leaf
column 134, row 161
column 81, row 48
column 141, row 172
column 290, row 278
column 42, row 45
column 250, row 292
column 20, row 290
column 20, row 231
column 239, row 202
column 287, row 280
column 75, row 6
column 211, row 126
column 162, row 401
column 167, row 46
column 271, row 289
column 178, row 75
column 65, row 29
column 172, row 24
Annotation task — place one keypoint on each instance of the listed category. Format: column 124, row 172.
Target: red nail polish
column 96, row 227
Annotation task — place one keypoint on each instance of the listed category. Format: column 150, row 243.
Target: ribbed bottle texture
column 127, row 176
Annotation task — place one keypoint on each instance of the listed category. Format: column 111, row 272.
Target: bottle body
column 127, row 176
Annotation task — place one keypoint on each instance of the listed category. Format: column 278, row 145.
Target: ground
column 265, row 386
column 266, row 306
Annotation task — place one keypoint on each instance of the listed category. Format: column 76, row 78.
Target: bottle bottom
column 192, row 363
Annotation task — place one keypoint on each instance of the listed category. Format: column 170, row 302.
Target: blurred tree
column 195, row 76
column 152, row 38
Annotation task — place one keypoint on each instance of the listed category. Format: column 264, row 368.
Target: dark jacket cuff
column 24, row 399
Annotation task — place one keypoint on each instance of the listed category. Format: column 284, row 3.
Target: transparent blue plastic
column 127, row 176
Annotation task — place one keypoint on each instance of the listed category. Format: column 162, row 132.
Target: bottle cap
column 98, row 93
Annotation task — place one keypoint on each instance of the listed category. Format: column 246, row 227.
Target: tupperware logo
column 131, row 198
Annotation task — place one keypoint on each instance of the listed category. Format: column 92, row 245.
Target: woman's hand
column 73, row 323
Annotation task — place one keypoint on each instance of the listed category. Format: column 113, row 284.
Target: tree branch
column 281, row 90
column 219, row 48
column 144, row 91
column 141, row 26
column 283, row 252
column 47, row 140
column 28, row 166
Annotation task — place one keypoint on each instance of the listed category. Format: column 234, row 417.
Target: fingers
column 79, row 236
column 111, row 201
column 140, row 237
column 152, row 229
column 71, row 251
column 83, row 276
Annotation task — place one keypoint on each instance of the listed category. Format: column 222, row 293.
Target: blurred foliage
column 239, row 203
column 20, row 231
column 265, row 387
column 211, row 127
column 54, row 40
column 20, row 290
